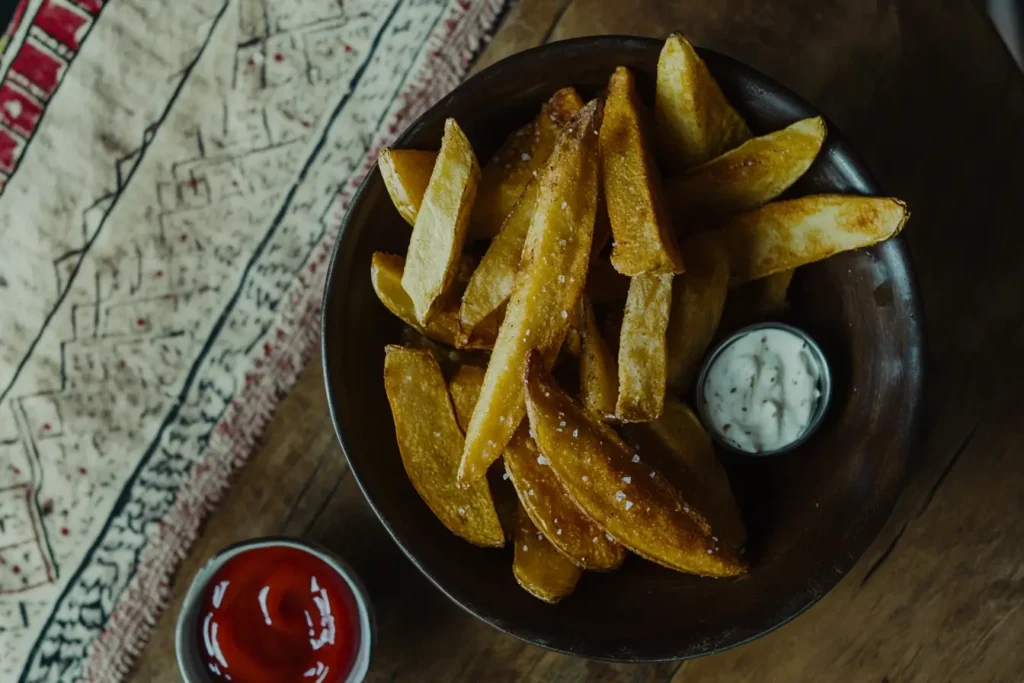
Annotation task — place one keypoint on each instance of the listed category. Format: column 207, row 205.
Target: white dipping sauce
column 762, row 390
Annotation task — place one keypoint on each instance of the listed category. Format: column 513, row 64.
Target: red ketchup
column 278, row 614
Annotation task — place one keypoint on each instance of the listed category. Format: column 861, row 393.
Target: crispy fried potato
column 465, row 390
column 642, row 348
column 644, row 239
column 633, row 503
column 492, row 281
column 440, row 229
column 520, row 158
column 605, row 284
column 695, row 122
column 448, row 358
column 386, row 275
column 551, row 279
column 677, row 445
column 749, row 176
column 784, row 235
column 574, row 335
column 430, row 443
column 568, row 529
column 698, row 296
column 537, row 566
column 755, row 301
column 599, row 381
column 406, row 173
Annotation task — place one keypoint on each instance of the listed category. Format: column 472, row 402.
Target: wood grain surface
column 932, row 100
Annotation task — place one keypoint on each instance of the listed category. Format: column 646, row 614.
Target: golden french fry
column 599, row 381
column 574, row 334
column 537, row 566
column 406, row 173
column 644, row 239
column 465, row 390
column 605, row 284
column 698, row 296
column 642, row 348
column 783, row 235
column 750, row 175
column 551, row 279
column 677, row 445
column 492, row 281
column 440, row 229
column 632, row 502
column 520, row 158
column 695, row 122
column 568, row 529
column 430, row 444
column 755, row 301
column 448, row 358
column 386, row 275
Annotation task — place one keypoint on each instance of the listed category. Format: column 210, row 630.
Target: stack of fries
column 616, row 253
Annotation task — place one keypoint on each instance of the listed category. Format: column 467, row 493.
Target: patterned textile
column 172, row 177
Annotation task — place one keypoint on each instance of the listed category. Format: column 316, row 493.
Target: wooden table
column 927, row 93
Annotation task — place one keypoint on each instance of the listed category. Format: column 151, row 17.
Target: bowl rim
column 861, row 536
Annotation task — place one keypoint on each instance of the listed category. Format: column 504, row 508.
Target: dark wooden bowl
column 810, row 513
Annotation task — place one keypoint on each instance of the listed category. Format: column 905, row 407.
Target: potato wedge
column 430, row 444
column 643, row 352
column 632, row 502
column 440, row 229
column 695, row 122
column 537, row 566
column 492, row 281
column 568, row 529
column 549, row 284
column 698, row 296
column 678, row 447
column 750, row 175
column 755, row 301
column 386, row 275
column 406, row 173
column 644, row 239
column 599, row 381
column 786, row 234
column 465, row 390
column 519, row 159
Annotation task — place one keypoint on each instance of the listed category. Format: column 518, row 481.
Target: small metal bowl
column 824, row 386
column 186, row 645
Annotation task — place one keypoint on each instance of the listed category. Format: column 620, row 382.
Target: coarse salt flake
column 627, row 480
column 629, row 504
column 541, row 460
column 586, row 478
column 636, row 457
column 565, row 315
column 609, row 537
column 525, row 547
column 620, row 496
column 525, row 157
column 575, row 433
column 565, row 204
column 559, row 532
column 505, row 476
column 462, row 511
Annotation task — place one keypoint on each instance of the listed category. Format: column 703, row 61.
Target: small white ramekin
column 186, row 645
